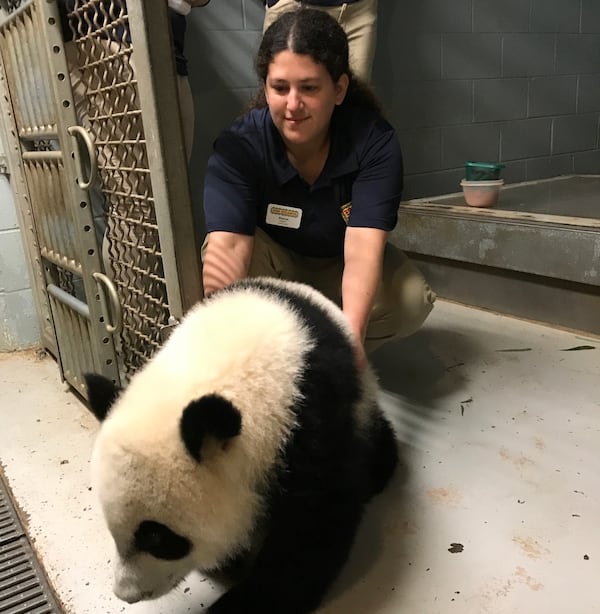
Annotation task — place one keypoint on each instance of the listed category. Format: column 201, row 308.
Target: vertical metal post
column 153, row 57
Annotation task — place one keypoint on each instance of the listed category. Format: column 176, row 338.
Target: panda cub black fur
column 251, row 434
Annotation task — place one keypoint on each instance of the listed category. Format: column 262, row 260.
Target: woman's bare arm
column 225, row 260
column 363, row 261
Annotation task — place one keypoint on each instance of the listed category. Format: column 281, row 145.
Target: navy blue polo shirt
column 249, row 180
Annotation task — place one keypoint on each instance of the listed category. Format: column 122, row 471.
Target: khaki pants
column 403, row 300
column 359, row 20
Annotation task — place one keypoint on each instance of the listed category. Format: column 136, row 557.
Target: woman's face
column 302, row 96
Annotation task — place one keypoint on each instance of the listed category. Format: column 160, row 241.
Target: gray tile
column 432, row 184
column 14, row 275
column 421, row 150
column 216, row 16
column 552, row 96
column 588, row 162
column 500, row 99
column 424, row 16
column 554, row 166
column 254, row 15
column 525, row 55
column 20, row 327
column 414, row 56
column 578, row 53
column 475, row 142
column 429, row 103
column 576, row 133
column 555, row 16
column 223, row 59
column 505, row 16
column 8, row 212
column 527, row 138
column 588, row 99
column 471, row 56
column 216, row 108
column 590, row 16
column 515, row 171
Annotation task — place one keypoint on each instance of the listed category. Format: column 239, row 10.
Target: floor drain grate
column 23, row 588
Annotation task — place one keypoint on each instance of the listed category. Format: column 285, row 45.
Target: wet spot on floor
column 522, row 574
column 449, row 496
column 519, row 461
column 531, row 547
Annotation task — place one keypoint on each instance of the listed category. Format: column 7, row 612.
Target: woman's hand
column 225, row 259
column 360, row 356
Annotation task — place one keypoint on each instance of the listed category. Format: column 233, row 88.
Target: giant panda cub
column 250, row 435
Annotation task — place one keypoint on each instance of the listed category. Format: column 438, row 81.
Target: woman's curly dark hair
column 314, row 33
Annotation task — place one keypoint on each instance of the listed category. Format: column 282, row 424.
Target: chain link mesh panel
column 105, row 92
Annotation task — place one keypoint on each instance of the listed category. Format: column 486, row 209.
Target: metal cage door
column 55, row 202
column 107, row 182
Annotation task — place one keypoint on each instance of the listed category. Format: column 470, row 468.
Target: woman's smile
column 302, row 96
column 296, row 120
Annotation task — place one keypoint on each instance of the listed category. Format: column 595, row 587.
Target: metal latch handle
column 106, row 286
column 76, row 131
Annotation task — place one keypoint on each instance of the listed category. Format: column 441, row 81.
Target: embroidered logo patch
column 345, row 211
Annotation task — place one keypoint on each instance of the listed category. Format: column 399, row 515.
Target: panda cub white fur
column 250, row 434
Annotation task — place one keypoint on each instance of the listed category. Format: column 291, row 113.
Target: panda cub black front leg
column 301, row 557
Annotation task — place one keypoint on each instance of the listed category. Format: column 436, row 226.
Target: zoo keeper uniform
column 252, row 189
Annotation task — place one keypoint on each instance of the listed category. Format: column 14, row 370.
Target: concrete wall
column 510, row 80
column 18, row 319
column 488, row 80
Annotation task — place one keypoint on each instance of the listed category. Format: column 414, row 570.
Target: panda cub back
column 250, row 431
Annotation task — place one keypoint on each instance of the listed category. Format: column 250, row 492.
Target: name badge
column 282, row 215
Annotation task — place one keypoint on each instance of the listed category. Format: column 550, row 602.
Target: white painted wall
column 19, row 327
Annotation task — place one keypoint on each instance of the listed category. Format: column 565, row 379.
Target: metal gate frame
column 48, row 175
column 171, row 238
column 25, row 217
column 168, row 162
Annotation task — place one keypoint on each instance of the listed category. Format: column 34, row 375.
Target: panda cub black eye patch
column 161, row 542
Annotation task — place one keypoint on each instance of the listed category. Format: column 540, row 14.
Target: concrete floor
column 497, row 511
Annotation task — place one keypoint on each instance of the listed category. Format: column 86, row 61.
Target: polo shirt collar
column 342, row 159
column 282, row 169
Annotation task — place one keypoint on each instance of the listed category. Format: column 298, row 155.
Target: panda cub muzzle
column 250, row 431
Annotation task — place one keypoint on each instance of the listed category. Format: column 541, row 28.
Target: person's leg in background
column 359, row 20
column 278, row 9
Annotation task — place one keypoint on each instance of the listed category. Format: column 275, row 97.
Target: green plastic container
column 482, row 171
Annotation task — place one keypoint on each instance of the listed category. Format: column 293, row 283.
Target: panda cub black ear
column 210, row 415
column 101, row 393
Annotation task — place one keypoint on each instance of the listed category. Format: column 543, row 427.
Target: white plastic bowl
column 481, row 193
